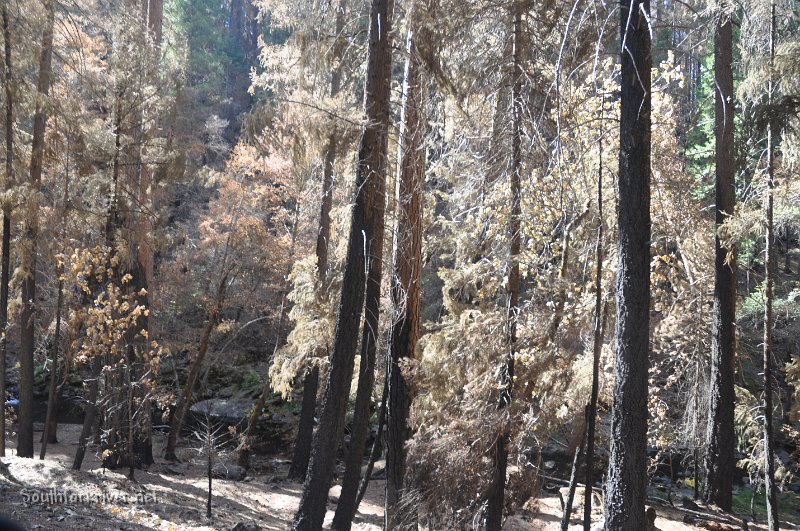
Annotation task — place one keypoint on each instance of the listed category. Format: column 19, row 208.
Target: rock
column 270, row 435
column 226, row 411
column 249, row 526
column 662, row 479
column 378, row 472
column 688, row 503
column 227, row 471
column 783, row 456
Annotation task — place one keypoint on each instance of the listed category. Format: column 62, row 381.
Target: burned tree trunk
column 496, row 497
column 627, row 469
column 597, row 346
column 368, row 205
column 305, row 429
column 50, row 423
column 90, row 415
column 406, row 285
column 720, row 436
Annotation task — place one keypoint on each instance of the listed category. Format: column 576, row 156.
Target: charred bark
column 305, row 429
column 377, row 447
column 627, row 469
column 720, row 436
column 345, row 509
column 368, row 205
column 597, row 347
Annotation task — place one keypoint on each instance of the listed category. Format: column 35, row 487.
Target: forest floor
column 172, row 496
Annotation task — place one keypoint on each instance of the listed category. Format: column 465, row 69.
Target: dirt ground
column 171, row 496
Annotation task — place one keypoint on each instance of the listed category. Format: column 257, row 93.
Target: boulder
column 223, row 410
column 228, row 471
column 270, row 435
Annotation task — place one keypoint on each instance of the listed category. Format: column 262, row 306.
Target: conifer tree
column 720, row 436
column 495, row 505
column 407, row 278
column 365, row 225
column 626, row 484
column 5, row 260
column 30, row 234
column 305, row 429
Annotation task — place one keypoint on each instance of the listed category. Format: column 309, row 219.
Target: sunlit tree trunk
column 142, row 445
column 155, row 19
column 30, row 233
column 368, row 205
column 627, row 469
column 406, row 286
column 496, row 496
column 720, row 435
column 6, row 246
column 770, row 489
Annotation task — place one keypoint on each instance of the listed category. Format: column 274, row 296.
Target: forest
column 400, row 264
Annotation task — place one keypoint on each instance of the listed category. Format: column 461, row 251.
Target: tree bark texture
column 30, row 235
column 720, row 436
column 627, row 469
column 368, row 204
column 406, row 287
column 770, row 489
column 6, row 245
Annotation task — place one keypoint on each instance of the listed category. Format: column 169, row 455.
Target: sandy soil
column 171, row 496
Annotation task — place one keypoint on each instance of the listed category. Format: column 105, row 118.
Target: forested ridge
column 400, row 264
